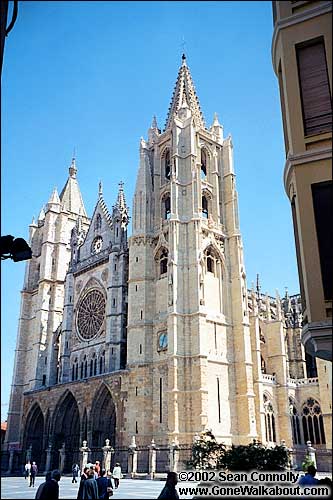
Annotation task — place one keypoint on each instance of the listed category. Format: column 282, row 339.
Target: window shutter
column 315, row 91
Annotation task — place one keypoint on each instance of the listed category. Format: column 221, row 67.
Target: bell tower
column 188, row 335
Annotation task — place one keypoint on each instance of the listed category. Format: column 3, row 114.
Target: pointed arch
column 102, row 420
column 34, row 433
column 66, row 430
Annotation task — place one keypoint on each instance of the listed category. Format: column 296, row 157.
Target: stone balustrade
column 267, row 378
column 302, row 381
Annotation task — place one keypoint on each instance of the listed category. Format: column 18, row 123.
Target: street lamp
column 16, row 249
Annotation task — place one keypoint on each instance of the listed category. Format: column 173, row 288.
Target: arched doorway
column 33, row 435
column 66, row 431
column 103, row 418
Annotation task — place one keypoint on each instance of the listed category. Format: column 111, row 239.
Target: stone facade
column 158, row 337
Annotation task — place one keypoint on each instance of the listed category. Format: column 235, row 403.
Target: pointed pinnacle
column 73, row 169
column 54, row 198
column 154, row 122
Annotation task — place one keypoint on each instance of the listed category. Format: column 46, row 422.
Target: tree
column 207, row 453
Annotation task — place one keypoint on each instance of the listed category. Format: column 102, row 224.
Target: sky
column 90, row 76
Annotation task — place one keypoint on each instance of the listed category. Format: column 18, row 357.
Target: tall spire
column 70, row 196
column 184, row 93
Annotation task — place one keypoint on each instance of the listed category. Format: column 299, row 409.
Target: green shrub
column 306, row 463
column 207, row 453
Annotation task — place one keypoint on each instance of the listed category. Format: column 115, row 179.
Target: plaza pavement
column 18, row 488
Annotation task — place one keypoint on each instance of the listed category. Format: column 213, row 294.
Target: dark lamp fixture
column 16, row 249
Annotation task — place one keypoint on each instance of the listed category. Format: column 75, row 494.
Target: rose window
column 90, row 314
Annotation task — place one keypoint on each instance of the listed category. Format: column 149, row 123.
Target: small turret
column 54, row 201
column 217, row 128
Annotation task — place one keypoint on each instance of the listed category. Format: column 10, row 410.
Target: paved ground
column 18, row 488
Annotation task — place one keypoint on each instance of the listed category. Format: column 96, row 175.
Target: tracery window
column 166, row 207
column 204, row 204
column 269, row 420
column 312, row 422
column 167, row 165
column 211, row 261
column 90, row 314
column 203, row 167
column 163, row 262
column 295, row 422
column 102, row 362
column 75, row 369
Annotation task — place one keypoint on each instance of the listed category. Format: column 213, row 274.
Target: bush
column 307, row 462
column 207, row 453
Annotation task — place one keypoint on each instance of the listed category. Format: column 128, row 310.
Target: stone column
column 84, row 454
column 174, row 456
column 152, row 459
column 29, row 454
column 132, row 458
column 48, row 458
column 311, row 452
column 107, row 455
column 11, row 460
column 62, row 456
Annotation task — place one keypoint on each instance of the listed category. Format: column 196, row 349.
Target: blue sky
column 91, row 75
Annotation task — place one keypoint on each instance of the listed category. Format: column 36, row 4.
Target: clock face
column 97, row 244
column 163, row 341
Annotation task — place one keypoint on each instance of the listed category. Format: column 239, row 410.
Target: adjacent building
column 302, row 61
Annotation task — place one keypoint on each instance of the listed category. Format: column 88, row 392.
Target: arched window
column 269, row 420
column 73, row 372
column 95, row 365
column 204, row 203
column 85, row 367
column 102, row 363
column 166, row 207
column 76, row 371
column 163, row 262
column 91, row 368
column 203, row 167
column 211, row 261
column 81, row 370
column 263, row 365
column 167, row 165
column 312, row 422
column 98, row 221
column 295, row 423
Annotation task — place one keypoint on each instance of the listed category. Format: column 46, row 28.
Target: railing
column 271, row 379
column 302, row 381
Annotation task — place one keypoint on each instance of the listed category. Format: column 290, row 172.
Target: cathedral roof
column 70, row 196
column 185, row 95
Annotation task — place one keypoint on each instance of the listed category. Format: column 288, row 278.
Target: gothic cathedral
column 156, row 337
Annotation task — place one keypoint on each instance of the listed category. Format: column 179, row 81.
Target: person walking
column 169, row 491
column 89, row 489
column 75, row 473
column 104, row 486
column 84, row 476
column 33, row 474
column 97, row 469
column 27, row 469
column 116, row 474
column 49, row 490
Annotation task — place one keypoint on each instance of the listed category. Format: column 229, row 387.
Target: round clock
column 90, row 314
column 163, row 341
column 97, row 244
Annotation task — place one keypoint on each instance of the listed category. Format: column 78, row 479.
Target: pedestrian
column 50, row 489
column 27, row 469
column 75, row 473
column 33, row 474
column 89, row 489
column 169, row 491
column 84, row 476
column 116, row 474
column 104, row 486
column 39, row 492
column 309, row 478
column 97, row 468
